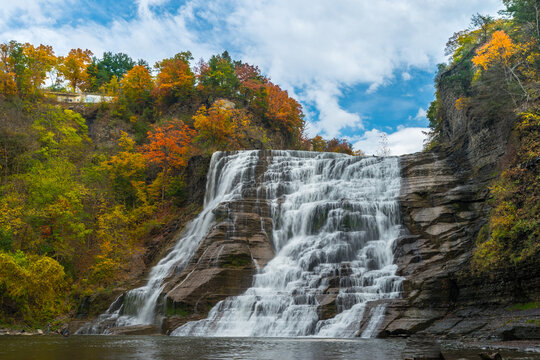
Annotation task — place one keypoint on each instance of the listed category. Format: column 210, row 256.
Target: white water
column 227, row 177
column 335, row 218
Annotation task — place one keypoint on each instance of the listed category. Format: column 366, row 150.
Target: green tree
column 101, row 71
column 525, row 12
column 218, row 77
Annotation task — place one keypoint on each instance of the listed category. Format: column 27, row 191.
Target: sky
column 360, row 68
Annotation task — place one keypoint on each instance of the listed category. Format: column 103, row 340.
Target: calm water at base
column 165, row 348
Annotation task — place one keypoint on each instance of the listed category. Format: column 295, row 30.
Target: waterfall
column 227, row 177
column 335, row 218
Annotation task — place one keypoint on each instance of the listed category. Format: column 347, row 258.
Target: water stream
column 335, row 218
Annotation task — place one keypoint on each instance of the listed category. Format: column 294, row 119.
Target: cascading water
column 227, row 177
column 335, row 218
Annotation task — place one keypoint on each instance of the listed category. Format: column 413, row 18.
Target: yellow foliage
column 220, row 127
column 36, row 284
column 462, row 103
column 499, row 49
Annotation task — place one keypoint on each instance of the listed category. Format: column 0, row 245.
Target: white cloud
column 316, row 47
column 144, row 6
column 405, row 140
column 332, row 118
column 420, row 115
column 406, row 76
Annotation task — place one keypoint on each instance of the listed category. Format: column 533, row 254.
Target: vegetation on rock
column 494, row 73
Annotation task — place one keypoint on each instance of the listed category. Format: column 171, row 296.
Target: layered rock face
column 223, row 265
column 444, row 201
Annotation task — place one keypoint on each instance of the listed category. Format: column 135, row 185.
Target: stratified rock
column 228, row 257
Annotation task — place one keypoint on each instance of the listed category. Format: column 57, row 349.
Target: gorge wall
column 445, row 202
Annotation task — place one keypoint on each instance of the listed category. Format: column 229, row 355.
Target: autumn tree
column 339, row 146
column 283, row 112
column 126, row 172
column 500, row 51
column 175, row 80
column 24, row 67
column 136, row 87
column 61, row 133
column 39, row 61
column 169, row 147
column 318, row 143
column 220, row 127
column 12, row 67
column 73, row 68
column 251, row 84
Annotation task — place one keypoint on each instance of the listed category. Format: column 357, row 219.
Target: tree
column 219, row 127
column 169, row 147
column 73, row 68
column 61, row 133
column 283, row 112
column 24, row 67
column 175, row 80
column 218, row 78
column 136, row 87
column 318, row 143
column 384, row 148
column 12, row 66
column 39, row 61
column 525, row 12
column 126, row 172
column 339, row 146
column 101, row 71
column 500, row 51
column 251, row 82
column 31, row 287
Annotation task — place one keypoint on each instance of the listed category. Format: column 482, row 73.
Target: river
column 198, row 348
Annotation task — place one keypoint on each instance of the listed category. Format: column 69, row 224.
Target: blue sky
column 360, row 68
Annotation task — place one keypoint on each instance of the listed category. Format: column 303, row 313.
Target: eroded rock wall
column 445, row 201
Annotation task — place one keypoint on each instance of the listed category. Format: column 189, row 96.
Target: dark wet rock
column 521, row 332
column 135, row 330
column 422, row 349
column 490, row 356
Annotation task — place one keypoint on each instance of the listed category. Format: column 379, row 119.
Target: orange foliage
column 498, row 50
column 284, row 112
column 250, row 77
column 73, row 67
column 170, row 145
column 8, row 86
column 219, row 127
column 175, row 79
column 462, row 103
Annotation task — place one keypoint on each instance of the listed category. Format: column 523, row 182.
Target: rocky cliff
column 444, row 201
